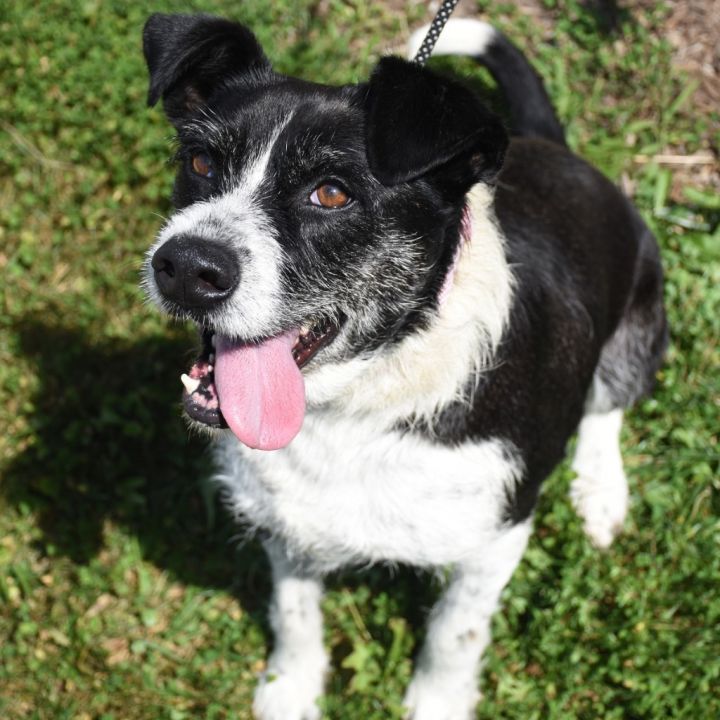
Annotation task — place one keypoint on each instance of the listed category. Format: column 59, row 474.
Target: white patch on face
column 236, row 218
column 431, row 368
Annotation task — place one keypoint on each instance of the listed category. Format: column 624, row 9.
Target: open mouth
column 202, row 400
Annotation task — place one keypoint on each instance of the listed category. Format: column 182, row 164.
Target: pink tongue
column 261, row 390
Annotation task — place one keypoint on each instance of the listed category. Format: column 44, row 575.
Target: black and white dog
column 405, row 316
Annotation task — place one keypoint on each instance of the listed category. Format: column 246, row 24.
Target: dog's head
column 315, row 224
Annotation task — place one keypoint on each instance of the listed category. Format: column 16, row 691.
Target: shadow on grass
column 605, row 16
column 108, row 444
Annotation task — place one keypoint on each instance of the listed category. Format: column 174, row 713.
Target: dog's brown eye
column 329, row 196
column 202, row 165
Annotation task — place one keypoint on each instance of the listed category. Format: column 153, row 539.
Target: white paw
column 432, row 698
column 289, row 696
column 602, row 503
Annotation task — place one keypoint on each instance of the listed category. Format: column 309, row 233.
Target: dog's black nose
column 195, row 273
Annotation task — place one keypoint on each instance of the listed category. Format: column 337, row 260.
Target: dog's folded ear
column 418, row 122
column 191, row 56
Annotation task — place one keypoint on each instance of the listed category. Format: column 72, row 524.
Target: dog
column 405, row 313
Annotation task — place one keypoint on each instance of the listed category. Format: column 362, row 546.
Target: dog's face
column 315, row 224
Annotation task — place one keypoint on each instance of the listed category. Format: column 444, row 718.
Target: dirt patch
column 693, row 29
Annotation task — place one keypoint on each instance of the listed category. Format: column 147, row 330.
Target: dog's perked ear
column 191, row 56
column 418, row 122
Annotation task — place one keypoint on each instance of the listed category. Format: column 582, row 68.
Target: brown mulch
column 693, row 29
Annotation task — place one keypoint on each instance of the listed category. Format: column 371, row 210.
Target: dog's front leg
column 445, row 683
column 293, row 681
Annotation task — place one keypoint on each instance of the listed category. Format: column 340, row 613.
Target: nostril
column 164, row 266
column 214, row 280
column 164, row 271
column 162, row 263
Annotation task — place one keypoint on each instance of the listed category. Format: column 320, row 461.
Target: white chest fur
column 344, row 492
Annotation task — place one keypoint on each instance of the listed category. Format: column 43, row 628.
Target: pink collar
column 465, row 236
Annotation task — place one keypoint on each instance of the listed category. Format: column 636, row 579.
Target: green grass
column 123, row 591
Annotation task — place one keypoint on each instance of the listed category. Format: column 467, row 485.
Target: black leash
column 443, row 15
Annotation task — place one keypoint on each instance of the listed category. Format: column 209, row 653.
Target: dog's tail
column 531, row 111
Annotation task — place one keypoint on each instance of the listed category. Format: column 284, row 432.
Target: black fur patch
column 573, row 242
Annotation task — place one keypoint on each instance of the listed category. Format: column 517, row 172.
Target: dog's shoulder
column 571, row 278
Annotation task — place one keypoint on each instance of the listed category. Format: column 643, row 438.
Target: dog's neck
column 436, row 365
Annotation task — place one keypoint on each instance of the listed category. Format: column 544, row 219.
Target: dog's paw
column 431, row 698
column 285, row 696
column 602, row 504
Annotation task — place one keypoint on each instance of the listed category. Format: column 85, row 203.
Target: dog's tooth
column 191, row 384
column 212, row 339
column 210, row 368
column 307, row 328
column 211, row 358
